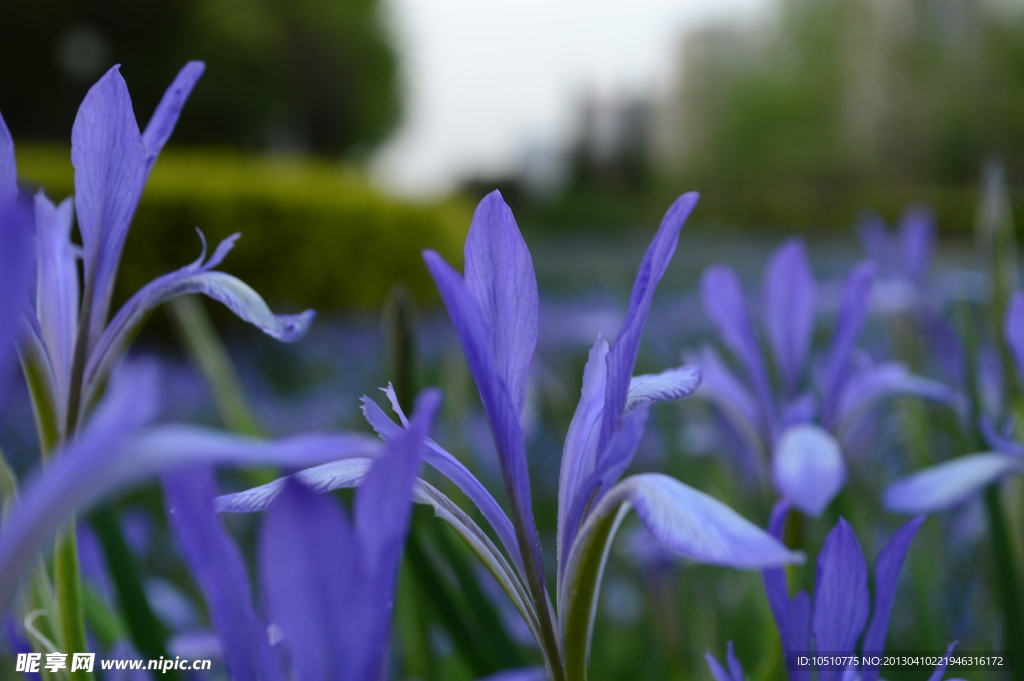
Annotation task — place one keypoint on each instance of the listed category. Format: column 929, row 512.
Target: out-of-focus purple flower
column 15, row 256
column 953, row 482
column 70, row 343
column 117, row 448
column 842, row 608
column 732, row 672
column 494, row 311
column 804, row 420
column 328, row 583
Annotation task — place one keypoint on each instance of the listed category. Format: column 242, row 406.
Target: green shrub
column 314, row 234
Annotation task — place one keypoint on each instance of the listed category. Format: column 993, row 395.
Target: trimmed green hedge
column 314, row 234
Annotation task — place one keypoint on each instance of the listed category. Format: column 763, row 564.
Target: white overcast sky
column 486, row 79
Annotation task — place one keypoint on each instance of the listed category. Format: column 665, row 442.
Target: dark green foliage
column 314, row 234
column 315, row 75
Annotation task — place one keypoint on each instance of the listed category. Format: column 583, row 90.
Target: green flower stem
column 1006, row 577
column 70, row 607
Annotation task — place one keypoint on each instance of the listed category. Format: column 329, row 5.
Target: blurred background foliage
column 805, row 119
column 305, row 75
column 314, row 233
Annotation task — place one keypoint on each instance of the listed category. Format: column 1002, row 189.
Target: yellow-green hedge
column 314, row 234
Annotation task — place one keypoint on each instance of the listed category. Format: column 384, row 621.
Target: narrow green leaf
column 200, row 339
column 144, row 629
column 583, row 581
column 70, row 608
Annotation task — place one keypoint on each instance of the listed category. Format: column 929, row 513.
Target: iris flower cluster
column 327, row 577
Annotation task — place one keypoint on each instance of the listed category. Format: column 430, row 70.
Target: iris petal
column 218, row 567
column 162, row 123
column 698, row 526
column 668, row 385
column 110, row 173
column 622, row 357
column 808, row 467
column 840, row 594
column 887, row 573
column 500, row 277
column 789, row 301
column 197, row 277
column 949, row 483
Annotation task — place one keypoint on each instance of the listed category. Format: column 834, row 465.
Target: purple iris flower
column 328, row 583
column 953, row 482
column 841, row 610
column 805, row 418
column 15, row 257
column 903, row 258
column 494, row 310
column 70, row 343
column 118, row 447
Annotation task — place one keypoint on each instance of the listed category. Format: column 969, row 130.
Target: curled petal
column 868, row 387
column 696, row 525
column 808, row 467
column 499, row 275
column 668, row 385
column 349, row 473
column 789, row 300
column 234, row 293
column 442, row 460
column 684, row 520
column 840, row 592
column 950, row 483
